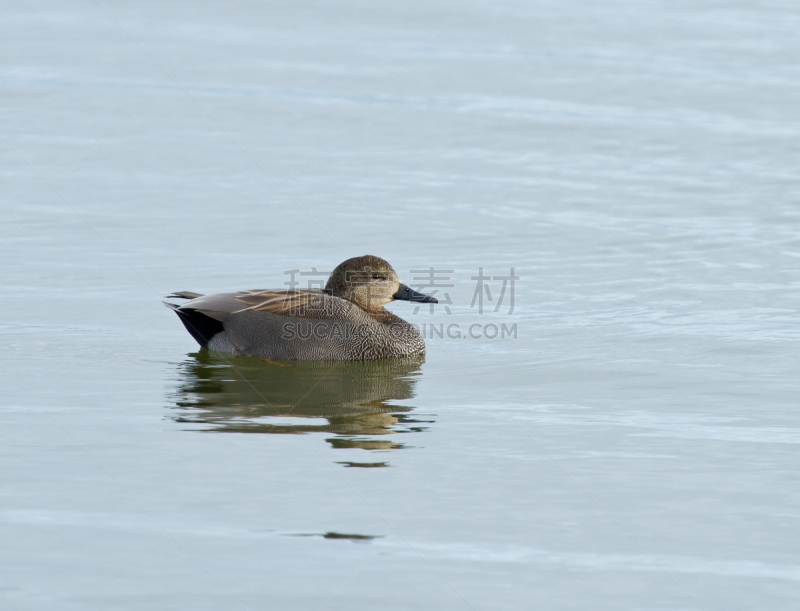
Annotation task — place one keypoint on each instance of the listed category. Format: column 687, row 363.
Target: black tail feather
column 201, row 327
column 184, row 295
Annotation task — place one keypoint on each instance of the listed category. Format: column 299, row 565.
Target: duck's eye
column 376, row 276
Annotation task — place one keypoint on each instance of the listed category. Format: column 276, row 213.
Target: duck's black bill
column 406, row 293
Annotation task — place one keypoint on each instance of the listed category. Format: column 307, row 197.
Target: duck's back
column 308, row 325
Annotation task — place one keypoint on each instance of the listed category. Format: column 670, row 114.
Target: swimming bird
column 345, row 321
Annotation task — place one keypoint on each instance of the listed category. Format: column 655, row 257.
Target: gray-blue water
column 634, row 447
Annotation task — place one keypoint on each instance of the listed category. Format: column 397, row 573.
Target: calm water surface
column 635, row 446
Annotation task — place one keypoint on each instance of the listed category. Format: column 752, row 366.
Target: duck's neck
column 380, row 314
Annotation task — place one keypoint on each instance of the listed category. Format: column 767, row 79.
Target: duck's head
column 371, row 283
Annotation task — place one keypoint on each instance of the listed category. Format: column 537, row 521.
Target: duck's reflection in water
column 354, row 401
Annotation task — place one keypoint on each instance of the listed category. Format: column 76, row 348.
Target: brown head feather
column 367, row 281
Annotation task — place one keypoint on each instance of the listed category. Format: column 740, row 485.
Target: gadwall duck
column 345, row 321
